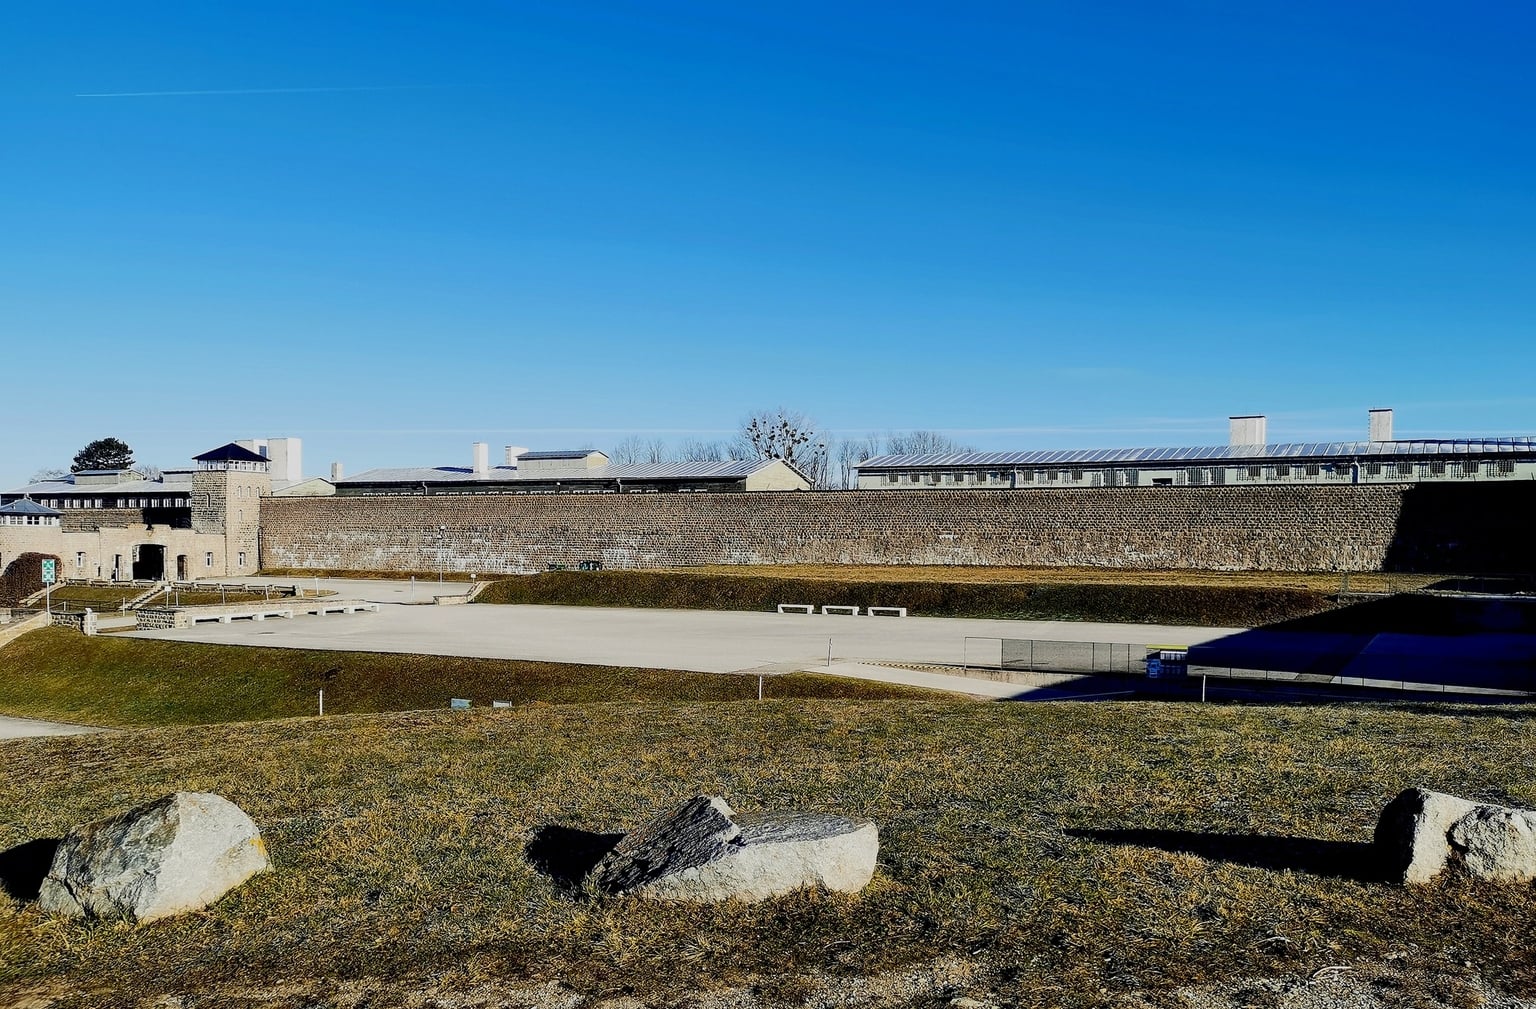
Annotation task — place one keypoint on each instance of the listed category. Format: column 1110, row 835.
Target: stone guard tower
column 227, row 489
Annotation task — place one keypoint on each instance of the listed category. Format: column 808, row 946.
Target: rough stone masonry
column 1303, row 528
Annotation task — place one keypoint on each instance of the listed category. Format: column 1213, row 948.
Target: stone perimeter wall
column 1312, row 528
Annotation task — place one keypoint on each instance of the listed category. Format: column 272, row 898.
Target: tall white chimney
column 336, row 471
column 287, row 458
column 1381, row 425
column 1250, row 430
column 513, row 451
column 482, row 458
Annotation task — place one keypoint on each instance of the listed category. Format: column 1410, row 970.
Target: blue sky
column 403, row 227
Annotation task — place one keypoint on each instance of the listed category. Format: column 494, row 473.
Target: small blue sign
column 458, row 702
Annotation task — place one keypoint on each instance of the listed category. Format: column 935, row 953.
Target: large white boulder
column 174, row 855
column 1420, row 831
column 697, row 853
column 1497, row 843
column 1412, row 835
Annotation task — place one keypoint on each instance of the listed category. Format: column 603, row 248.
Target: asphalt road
column 24, row 728
column 703, row 641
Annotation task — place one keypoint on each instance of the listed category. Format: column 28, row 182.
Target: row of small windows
column 69, row 503
column 28, row 520
column 1217, row 474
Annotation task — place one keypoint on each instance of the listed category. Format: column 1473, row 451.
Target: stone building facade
column 201, row 523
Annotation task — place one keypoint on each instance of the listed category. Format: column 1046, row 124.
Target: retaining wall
column 1478, row 527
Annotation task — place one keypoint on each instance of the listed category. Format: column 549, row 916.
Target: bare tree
column 848, row 454
column 694, row 450
column 49, row 473
column 788, row 435
column 148, row 472
column 922, row 443
column 636, row 449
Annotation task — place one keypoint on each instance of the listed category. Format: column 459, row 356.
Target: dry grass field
column 59, row 674
column 1327, row 583
column 1210, row 599
column 1039, row 855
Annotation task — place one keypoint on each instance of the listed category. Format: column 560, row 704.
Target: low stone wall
column 83, row 621
column 165, row 618
column 1473, row 527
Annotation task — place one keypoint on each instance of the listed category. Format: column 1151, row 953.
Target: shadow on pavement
column 23, row 867
column 1336, row 859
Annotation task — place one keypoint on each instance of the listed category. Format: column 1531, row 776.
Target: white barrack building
column 1248, row 459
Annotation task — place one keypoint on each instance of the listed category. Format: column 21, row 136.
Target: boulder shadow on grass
column 23, row 867
column 1356, row 860
column 567, row 855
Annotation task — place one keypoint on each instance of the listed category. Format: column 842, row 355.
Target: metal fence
column 1037, row 655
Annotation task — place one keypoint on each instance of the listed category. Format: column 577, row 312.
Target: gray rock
column 1497, row 843
column 697, row 854
column 176, row 854
column 696, row 832
column 1412, row 836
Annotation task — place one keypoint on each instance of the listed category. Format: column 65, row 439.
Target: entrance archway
column 149, row 562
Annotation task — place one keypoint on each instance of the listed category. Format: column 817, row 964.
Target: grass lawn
column 1066, row 854
column 99, row 597
column 1153, row 597
column 60, row 674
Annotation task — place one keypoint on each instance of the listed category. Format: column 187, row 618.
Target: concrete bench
column 322, row 609
column 848, row 611
column 886, row 611
column 805, row 608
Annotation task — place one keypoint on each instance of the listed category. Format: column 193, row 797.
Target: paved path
column 23, row 728
column 699, row 640
column 373, row 590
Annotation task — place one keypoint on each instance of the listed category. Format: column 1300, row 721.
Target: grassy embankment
column 1070, row 854
column 62, row 675
column 1217, row 599
column 110, row 598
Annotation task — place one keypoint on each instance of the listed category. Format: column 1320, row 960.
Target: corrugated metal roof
column 65, row 488
column 734, row 469
column 1195, row 455
column 572, row 453
column 431, row 474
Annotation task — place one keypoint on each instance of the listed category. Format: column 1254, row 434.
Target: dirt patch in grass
column 1068, row 854
column 62, row 675
column 934, row 592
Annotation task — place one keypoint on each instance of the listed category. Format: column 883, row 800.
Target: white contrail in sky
column 250, row 91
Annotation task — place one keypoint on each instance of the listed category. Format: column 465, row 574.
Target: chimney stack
column 482, row 458
column 1381, row 425
column 336, row 471
column 1250, row 430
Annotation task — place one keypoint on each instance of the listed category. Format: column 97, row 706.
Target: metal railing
column 1038, row 655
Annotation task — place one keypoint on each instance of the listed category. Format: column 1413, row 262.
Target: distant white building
column 1247, row 459
column 576, row 471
